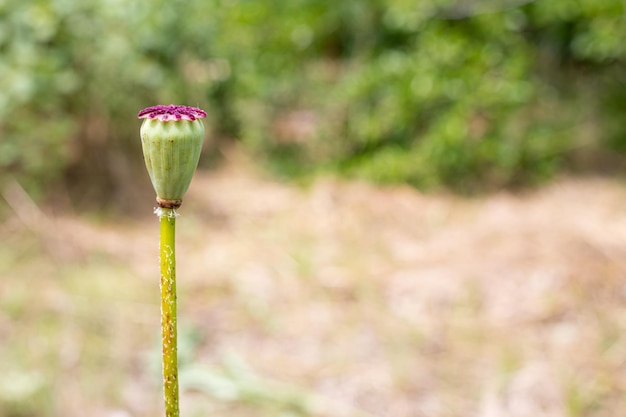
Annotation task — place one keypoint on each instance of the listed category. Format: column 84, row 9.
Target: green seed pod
column 171, row 138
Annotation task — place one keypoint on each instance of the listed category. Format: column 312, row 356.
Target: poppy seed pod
column 171, row 138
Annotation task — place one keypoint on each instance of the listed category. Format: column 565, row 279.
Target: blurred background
column 403, row 208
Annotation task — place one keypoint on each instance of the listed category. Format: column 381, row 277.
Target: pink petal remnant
column 172, row 113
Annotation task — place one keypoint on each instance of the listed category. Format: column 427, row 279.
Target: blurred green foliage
column 465, row 94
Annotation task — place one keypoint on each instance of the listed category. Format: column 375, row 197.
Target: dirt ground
column 334, row 299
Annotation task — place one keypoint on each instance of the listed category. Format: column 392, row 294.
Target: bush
column 434, row 93
column 438, row 95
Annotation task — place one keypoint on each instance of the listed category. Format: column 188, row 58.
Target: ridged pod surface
column 171, row 150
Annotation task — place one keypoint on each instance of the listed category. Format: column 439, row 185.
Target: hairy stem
column 168, row 311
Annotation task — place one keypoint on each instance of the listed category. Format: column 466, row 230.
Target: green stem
column 168, row 311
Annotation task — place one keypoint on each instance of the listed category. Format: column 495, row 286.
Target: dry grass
column 341, row 299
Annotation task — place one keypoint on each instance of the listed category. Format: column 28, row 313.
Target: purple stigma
column 171, row 113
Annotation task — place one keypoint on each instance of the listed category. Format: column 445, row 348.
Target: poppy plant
column 171, row 139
